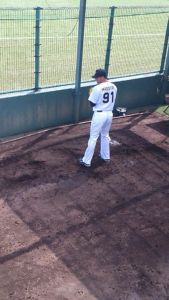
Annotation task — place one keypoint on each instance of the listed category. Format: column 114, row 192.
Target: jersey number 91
column 108, row 97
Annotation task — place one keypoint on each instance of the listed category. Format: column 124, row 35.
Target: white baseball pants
column 100, row 126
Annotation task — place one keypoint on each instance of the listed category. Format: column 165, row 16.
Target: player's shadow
column 103, row 223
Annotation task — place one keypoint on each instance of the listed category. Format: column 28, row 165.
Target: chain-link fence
column 38, row 48
column 59, row 33
column 16, row 49
column 138, row 40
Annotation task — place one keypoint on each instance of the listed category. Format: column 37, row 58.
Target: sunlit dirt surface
column 68, row 233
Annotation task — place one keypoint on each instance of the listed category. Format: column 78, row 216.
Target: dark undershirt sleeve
column 92, row 104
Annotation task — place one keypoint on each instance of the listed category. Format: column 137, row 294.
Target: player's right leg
column 105, row 137
column 96, row 125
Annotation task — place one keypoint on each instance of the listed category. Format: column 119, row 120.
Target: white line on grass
column 86, row 36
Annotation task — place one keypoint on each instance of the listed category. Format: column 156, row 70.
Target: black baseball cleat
column 83, row 164
column 104, row 160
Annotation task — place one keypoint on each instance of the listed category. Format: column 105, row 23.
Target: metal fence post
column 165, row 78
column 79, row 59
column 165, row 49
column 109, row 40
column 37, row 46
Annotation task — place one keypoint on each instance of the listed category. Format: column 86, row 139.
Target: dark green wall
column 20, row 113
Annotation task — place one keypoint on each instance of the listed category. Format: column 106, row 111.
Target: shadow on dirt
column 109, row 225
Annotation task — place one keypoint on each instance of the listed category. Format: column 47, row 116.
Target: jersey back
column 103, row 96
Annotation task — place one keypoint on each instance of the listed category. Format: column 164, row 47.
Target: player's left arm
column 93, row 98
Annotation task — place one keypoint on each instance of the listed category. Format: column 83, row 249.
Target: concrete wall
column 29, row 111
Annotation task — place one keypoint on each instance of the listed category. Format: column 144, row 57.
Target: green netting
column 59, row 31
column 16, row 50
column 138, row 40
column 137, row 44
column 141, row 10
column 95, row 40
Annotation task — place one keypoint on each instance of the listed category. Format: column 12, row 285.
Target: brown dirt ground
column 68, row 233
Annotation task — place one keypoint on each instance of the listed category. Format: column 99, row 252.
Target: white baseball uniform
column 103, row 96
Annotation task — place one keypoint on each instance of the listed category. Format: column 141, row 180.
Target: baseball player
column 102, row 99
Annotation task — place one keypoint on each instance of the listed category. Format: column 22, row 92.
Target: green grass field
column 137, row 45
column 163, row 109
column 44, row 3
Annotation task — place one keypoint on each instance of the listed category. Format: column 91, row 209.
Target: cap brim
column 94, row 76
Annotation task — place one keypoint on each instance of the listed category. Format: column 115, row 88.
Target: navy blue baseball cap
column 100, row 73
